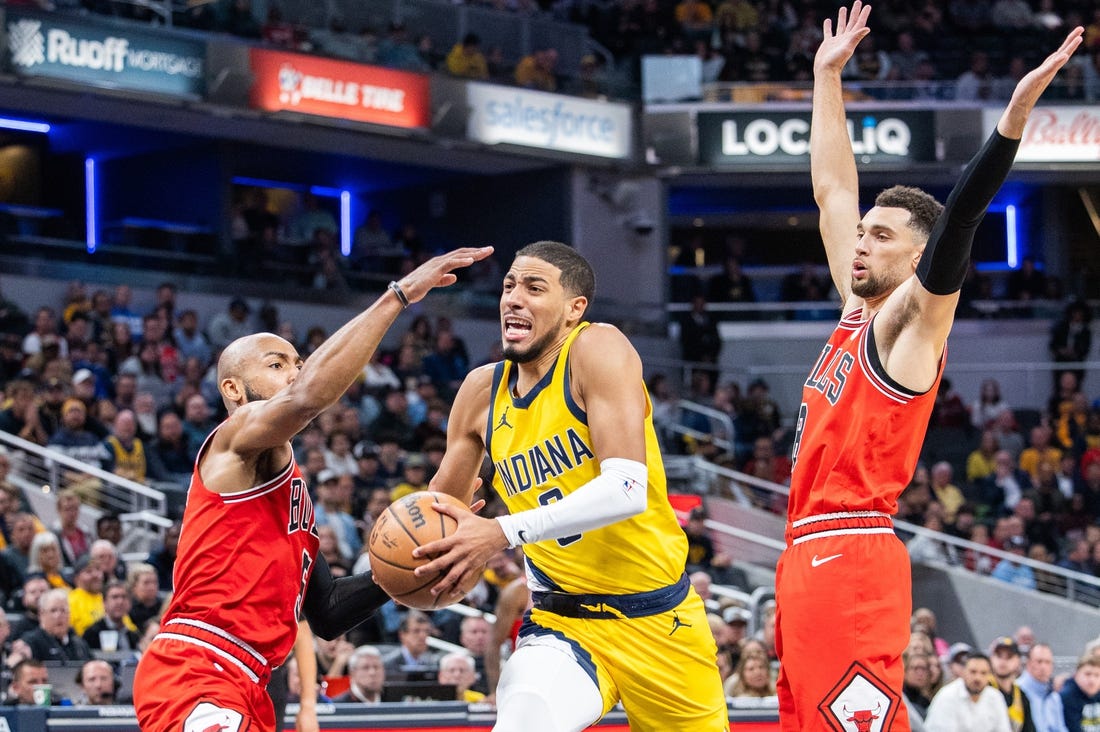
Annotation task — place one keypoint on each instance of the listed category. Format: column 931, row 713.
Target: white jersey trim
column 221, row 634
column 269, row 485
column 844, row 532
column 211, row 647
column 838, row 515
column 873, row 377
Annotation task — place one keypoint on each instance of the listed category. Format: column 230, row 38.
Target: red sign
column 321, row 86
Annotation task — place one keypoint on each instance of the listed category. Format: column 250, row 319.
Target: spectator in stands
column 1027, row 282
column 457, row 668
column 969, row 703
column 700, row 341
column 116, row 619
column 169, row 455
column 1037, row 681
column 751, row 678
column 74, row 540
column 976, row 82
column 1081, row 695
column 163, row 558
column 917, row 685
column 126, row 449
column 21, row 417
column 1004, row 659
column 229, row 325
column 732, row 285
column 23, row 612
column 946, row 493
column 765, row 464
column 197, row 424
column 191, row 341
column 54, row 639
column 989, row 407
column 333, row 499
column 393, row 421
column 414, row 478
column 446, row 366
column 1040, row 450
column 338, row 455
column 21, row 531
column 536, row 70
column 1013, row 572
column 86, row 598
column 97, row 684
column 414, row 653
column 74, row 439
column 1071, row 338
column 979, row 464
column 26, row 675
column 906, row 57
column 145, row 603
column 45, row 331
column 368, row 676
column 466, row 59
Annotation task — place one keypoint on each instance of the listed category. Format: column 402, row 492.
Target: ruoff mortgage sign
column 753, row 138
column 105, row 56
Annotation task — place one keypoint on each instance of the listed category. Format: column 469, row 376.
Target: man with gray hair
column 1037, row 682
column 457, row 668
column 368, row 676
column 54, row 639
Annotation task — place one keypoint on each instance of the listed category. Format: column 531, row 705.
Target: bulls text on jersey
column 301, row 509
column 830, row 373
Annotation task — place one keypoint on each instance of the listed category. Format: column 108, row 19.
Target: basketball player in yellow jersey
column 566, row 421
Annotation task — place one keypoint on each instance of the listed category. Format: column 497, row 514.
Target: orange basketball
column 408, row 523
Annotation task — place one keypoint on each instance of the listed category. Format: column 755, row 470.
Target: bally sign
column 742, row 138
column 71, row 49
column 1056, row 134
column 291, row 81
column 501, row 114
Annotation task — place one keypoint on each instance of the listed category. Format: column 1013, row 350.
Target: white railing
column 41, row 472
column 722, row 436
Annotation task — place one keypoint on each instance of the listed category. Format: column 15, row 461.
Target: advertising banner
column 501, row 114
column 328, row 88
column 105, row 56
column 752, row 138
column 1069, row 134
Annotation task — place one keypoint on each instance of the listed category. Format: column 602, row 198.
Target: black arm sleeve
column 336, row 605
column 943, row 265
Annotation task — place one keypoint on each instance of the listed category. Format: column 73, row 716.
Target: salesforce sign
column 106, row 56
column 749, row 138
column 500, row 114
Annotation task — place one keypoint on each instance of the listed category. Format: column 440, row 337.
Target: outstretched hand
column 439, row 271
column 837, row 48
column 1032, row 86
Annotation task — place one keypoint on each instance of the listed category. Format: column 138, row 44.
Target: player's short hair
column 577, row 277
column 923, row 209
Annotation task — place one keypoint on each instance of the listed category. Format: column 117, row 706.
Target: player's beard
column 873, row 286
column 251, row 396
column 536, row 349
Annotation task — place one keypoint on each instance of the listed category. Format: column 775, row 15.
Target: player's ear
column 576, row 308
column 231, row 390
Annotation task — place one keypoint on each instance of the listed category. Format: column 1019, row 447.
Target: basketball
column 407, row 523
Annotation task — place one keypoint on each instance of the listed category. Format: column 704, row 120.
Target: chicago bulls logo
column 862, row 717
column 860, row 702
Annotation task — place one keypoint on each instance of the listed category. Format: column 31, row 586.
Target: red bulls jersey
column 859, row 432
column 244, row 561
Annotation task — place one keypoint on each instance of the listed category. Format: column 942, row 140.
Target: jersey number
column 801, row 425
column 548, row 497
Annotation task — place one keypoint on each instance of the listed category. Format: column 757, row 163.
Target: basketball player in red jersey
column 843, row 583
column 247, row 563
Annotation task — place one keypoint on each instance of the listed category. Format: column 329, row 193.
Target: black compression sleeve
column 943, row 265
column 336, row 605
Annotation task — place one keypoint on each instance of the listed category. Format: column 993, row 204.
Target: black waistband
column 636, row 605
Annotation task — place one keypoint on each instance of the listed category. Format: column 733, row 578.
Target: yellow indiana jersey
column 541, row 449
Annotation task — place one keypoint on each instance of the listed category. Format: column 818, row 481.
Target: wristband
column 400, row 293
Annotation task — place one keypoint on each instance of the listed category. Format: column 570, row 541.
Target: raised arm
column 832, row 163
column 918, row 319
column 331, row 369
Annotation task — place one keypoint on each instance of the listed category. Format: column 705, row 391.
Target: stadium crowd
column 130, row 389
column 981, row 45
